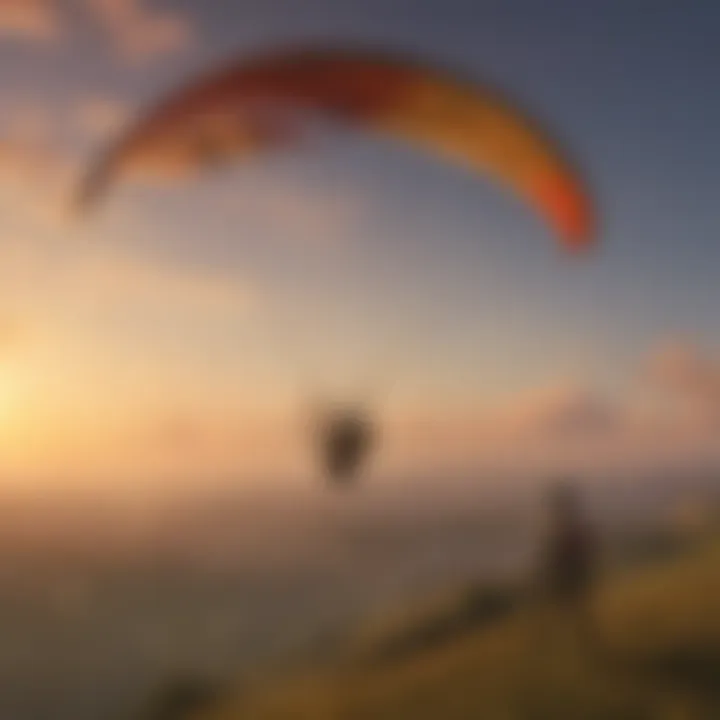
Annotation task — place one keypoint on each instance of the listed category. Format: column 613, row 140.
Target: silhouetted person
column 346, row 441
column 570, row 560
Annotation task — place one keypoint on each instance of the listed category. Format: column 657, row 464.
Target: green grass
column 659, row 659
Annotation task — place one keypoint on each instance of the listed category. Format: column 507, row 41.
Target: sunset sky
column 183, row 326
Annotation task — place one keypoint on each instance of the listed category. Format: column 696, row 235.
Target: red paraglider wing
column 257, row 105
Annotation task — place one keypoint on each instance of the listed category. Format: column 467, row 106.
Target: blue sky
column 394, row 254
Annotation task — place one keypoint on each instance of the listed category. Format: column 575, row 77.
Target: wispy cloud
column 566, row 426
column 26, row 155
column 564, row 411
column 100, row 117
column 691, row 376
column 139, row 33
column 34, row 20
column 36, row 174
column 74, row 283
column 213, row 441
column 306, row 214
column 123, row 280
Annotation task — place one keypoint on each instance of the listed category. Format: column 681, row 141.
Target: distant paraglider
column 345, row 438
column 261, row 104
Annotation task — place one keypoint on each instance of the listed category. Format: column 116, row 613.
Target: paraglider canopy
column 261, row 103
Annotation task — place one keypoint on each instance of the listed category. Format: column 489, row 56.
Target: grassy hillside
column 659, row 658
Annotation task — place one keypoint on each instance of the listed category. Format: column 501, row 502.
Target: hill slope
column 659, row 659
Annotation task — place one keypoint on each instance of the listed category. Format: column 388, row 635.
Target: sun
column 13, row 388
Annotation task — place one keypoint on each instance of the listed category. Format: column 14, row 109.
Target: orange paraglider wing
column 258, row 104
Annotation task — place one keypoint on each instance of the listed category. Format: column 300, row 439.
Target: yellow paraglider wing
column 256, row 105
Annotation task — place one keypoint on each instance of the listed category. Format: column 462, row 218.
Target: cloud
column 308, row 215
column 26, row 155
column 122, row 280
column 139, row 33
column 19, row 164
column 559, row 421
column 576, row 427
column 99, row 117
column 562, row 411
column 109, row 294
column 35, row 174
column 36, row 20
column 690, row 375
column 223, row 441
